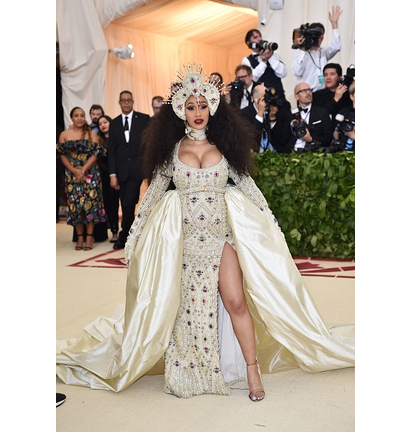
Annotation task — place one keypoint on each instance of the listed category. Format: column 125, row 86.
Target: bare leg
column 80, row 237
column 232, row 294
column 89, row 236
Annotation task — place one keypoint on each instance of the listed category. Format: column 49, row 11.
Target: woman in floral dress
column 79, row 150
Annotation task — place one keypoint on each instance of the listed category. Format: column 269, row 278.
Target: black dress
column 111, row 196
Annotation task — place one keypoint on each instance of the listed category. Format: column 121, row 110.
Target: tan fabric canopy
column 165, row 34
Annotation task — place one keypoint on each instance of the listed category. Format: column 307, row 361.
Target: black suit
column 280, row 133
column 124, row 160
column 249, row 112
column 325, row 99
column 237, row 97
column 320, row 127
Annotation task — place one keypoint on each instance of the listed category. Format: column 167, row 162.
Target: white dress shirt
column 130, row 117
column 308, row 65
column 244, row 100
column 278, row 66
column 304, row 116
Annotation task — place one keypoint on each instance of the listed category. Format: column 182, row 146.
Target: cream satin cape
column 289, row 330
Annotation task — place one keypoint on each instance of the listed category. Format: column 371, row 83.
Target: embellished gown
column 173, row 309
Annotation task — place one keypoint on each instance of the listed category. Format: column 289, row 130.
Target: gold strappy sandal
column 253, row 393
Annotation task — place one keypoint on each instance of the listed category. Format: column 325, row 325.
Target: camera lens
column 300, row 132
column 268, row 45
column 348, row 127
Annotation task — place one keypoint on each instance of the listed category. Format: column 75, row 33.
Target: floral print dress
column 85, row 199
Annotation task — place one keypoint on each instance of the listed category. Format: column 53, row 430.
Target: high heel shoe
column 88, row 248
column 79, row 246
column 253, row 393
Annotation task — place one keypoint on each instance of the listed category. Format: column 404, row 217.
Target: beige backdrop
column 167, row 34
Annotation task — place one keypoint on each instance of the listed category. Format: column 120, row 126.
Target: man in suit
column 270, row 117
column 319, row 130
column 254, row 113
column 96, row 111
column 267, row 66
column 124, row 160
column 334, row 96
column 242, row 96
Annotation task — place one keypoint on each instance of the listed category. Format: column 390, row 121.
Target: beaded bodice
column 201, row 192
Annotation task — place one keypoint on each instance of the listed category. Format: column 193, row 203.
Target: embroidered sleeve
column 156, row 190
column 248, row 187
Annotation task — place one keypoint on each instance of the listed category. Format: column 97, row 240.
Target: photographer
column 311, row 126
column 269, row 115
column 344, row 133
column 240, row 91
column 267, row 67
column 334, row 97
column 310, row 59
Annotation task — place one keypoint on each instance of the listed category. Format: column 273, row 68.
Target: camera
column 343, row 124
column 334, row 147
column 311, row 36
column 237, row 91
column 312, row 146
column 263, row 45
column 343, row 143
column 348, row 78
column 237, row 86
column 298, row 126
column 271, row 97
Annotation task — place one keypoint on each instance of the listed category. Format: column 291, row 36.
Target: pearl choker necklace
column 196, row 134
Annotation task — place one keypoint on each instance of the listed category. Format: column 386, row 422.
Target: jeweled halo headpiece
column 190, row 83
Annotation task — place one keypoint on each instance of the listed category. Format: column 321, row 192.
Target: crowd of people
column 322, row 91
column 198, row 247
column 100, row 168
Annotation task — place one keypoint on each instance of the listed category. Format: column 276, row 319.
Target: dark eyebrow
column 198, row 103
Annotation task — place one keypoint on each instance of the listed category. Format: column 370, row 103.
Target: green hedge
column 312, row 195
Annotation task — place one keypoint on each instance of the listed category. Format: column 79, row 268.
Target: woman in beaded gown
column 79, row 150
column 211, row 283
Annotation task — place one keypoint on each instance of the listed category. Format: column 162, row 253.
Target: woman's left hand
column 79, row 175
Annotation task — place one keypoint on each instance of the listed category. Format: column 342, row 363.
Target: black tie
column 126, row 124
column 304, row 109
column 250, row 99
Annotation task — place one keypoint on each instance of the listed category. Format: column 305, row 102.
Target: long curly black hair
column 227, row 130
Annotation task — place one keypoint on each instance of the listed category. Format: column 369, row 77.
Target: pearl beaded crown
column 190, row 82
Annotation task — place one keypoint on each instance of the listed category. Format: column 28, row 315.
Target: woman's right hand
column 78, row 175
